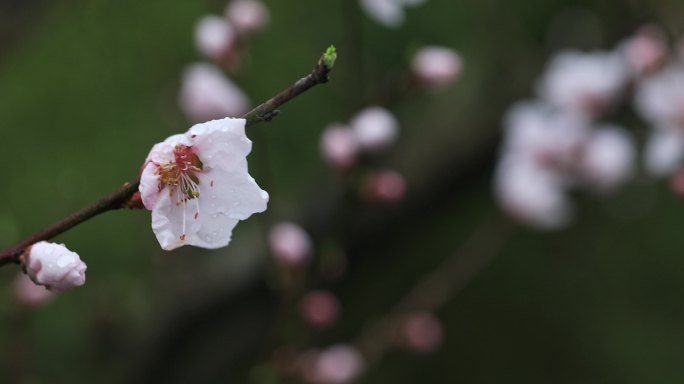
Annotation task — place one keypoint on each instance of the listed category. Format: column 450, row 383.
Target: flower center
column 180, row 176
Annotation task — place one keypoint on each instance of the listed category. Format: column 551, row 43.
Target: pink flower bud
column 214, row 37
column 421, row 332
column 290, row 244
column 384, row 186
column 55, row 267
column 646, row 51
column 437, row 67
column 375, row 128
column 247, row 16
column 339, row 146
column 339, row 364
column 30, row 294
column 207, row 94
column 319, row 309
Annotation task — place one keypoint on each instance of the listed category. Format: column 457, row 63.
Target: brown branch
column 125, row 197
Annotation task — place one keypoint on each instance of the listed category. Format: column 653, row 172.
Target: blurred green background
column 86, row 87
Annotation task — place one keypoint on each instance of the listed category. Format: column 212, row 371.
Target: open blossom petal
column 607, row 158
column 198, row 187
column 664, row 151
column 584, row 83
column 55, row 267
column 660, row 98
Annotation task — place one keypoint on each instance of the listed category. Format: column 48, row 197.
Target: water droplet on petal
column 208, row 238
column 263, row 194
column 236, row 204
column 48, row 251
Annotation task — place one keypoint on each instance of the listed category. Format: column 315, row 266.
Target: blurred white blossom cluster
column 207, row 93
column 390, row 13
column 564, row 140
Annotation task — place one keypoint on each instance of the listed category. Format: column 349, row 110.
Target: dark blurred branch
column 435, row 289
column 127, row 196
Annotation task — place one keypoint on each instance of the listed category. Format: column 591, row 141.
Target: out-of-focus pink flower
column 55, row 267
column 389, row 13
column 659, row 98
column 339, row 364
column 646, row 51
column 437, row 67
column 375, row 128
column 319, row 309
column 531, row 193
column 207, row 94
column 421, row 332
column 30, row 294
column 586, row 84
column 386, row 12
column 198, row 187
column 214, row 37
column 549, row 135
column 664, row 150
column 290, row 244
column 541, row 144
column 607, row 158
column 247, row 16
column 384, row 186
column 339, row 146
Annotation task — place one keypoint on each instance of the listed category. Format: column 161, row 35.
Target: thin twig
column 122, row 197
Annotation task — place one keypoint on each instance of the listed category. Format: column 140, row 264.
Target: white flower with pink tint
column 339, row 364
column 437, row 67
column 290, row 244
column 664, row 150
column 247, row 16
column 339, row 146
column 646, row 51
column 207, row 94
column 54, row 266
column 607, row 158
column 389, row 13
column 532, row 193
column 214, row 37
column 30, row 294
column 198, row 187
column 587, row 84
column 375, row 128
column 659, row 98
column 551, row 137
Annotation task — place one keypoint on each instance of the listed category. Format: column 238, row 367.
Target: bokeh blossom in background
column 472, row 192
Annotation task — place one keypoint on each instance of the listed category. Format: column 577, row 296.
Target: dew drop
column 49, row 251
column 263, row 194
column 236, row 204
column 208, row 238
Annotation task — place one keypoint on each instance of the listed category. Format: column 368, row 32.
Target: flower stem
column 125, row 196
